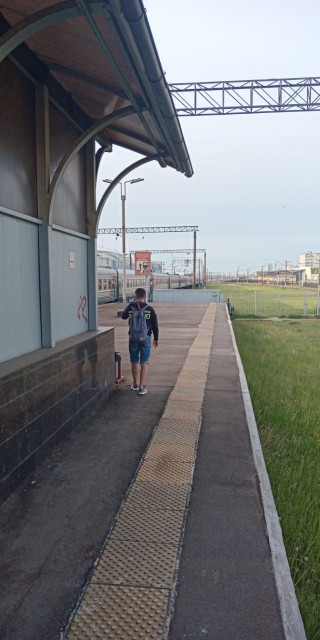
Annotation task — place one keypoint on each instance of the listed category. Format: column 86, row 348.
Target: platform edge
column 289, row 608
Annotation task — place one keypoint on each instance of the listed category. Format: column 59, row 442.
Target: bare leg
column 135, row 372
column 143, row 375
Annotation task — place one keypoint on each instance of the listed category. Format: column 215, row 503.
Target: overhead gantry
column 238, row 97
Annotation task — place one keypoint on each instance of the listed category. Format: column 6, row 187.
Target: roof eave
column 163, row 106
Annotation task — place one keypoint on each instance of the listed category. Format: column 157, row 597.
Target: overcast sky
column 255, row 191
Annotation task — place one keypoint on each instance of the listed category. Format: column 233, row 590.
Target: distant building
column 112, row 259
column 269, row 267
column 309, row 259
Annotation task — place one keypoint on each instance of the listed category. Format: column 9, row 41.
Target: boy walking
column 142, row 323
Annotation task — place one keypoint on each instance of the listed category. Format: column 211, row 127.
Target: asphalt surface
column 226, row 588
column 54, row 525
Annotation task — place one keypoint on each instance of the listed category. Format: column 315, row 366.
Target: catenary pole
column 124, row 275
column 194, row 259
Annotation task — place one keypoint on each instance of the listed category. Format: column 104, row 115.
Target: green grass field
column 271, row 300
column 282, row 365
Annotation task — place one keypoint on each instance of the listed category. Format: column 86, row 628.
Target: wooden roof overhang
column 101, row 66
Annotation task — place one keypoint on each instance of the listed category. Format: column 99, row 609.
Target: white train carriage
column 109, row 283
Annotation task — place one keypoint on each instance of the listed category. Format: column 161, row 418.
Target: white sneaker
column 135, row 387
column 142, row 392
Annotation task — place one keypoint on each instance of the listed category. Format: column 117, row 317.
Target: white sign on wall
column 71, row 260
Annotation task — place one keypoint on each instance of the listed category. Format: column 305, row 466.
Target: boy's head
column 140, row 294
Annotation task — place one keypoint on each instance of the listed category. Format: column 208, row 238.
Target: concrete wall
column 20, row 329
column 69, row 285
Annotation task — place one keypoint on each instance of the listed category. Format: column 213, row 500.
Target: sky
column 255, row 191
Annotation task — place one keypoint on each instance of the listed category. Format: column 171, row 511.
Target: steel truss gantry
column 246, row 96
column 173, row 250
column 118, row 230
column 181, row 228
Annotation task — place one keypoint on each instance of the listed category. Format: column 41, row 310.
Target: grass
column 282, row 365
column 271, row 300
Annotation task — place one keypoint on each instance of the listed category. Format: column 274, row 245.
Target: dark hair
column 140, row 293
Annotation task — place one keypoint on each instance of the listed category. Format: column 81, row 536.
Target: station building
column 72, row 74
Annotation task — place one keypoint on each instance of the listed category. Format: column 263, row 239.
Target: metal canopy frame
column 75, row 148
column 246, row 96
column 118, row 179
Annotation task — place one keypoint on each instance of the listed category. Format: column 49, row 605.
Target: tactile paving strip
column 180, row 394
column 150, row 496
column 177, row 410
column 136, row 564
column 127, row 613
column 171, row 450
column 164, row 471
column 129, row 593
column 148, row 526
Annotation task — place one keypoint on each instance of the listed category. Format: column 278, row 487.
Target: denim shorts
column 140, row 350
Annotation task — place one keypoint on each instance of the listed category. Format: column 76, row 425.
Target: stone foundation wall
column 44, row 394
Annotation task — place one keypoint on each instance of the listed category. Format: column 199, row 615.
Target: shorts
column 140, row 349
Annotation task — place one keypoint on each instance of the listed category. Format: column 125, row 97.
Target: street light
column 123, row 200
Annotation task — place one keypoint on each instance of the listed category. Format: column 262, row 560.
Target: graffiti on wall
column 82, row 303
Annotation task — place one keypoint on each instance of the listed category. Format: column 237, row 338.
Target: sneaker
column 135, row 387
column 142, row 392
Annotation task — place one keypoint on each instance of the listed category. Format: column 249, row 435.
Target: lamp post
column 123, row 207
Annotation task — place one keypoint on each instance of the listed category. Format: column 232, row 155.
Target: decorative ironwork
column 246, row 96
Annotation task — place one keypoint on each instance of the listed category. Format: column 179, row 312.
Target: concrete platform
column 55, row 525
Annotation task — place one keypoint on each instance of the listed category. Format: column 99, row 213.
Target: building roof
column 102, row 54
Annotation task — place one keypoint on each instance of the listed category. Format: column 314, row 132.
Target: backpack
column 138, row 330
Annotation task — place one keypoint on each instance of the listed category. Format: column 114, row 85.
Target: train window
column 104, row 284
column 100, row 285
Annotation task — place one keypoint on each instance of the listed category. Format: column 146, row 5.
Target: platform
column 148, row 522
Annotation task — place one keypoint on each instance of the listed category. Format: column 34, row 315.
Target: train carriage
column 109, row 283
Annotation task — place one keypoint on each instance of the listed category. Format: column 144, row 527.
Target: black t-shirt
column 149, row 314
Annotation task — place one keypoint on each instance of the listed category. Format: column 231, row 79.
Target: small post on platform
column 194, row 275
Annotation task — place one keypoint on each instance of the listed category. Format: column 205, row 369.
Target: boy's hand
column 155, row 343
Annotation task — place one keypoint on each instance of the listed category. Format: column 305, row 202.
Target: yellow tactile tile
column 129, row 593
column 178, row 410
column 132, row 563
column 120, row 612
column 180, row 394
column 176, row 430
column 148, row 527
column 171, row 450
column 151, row 496
column 164, row 471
